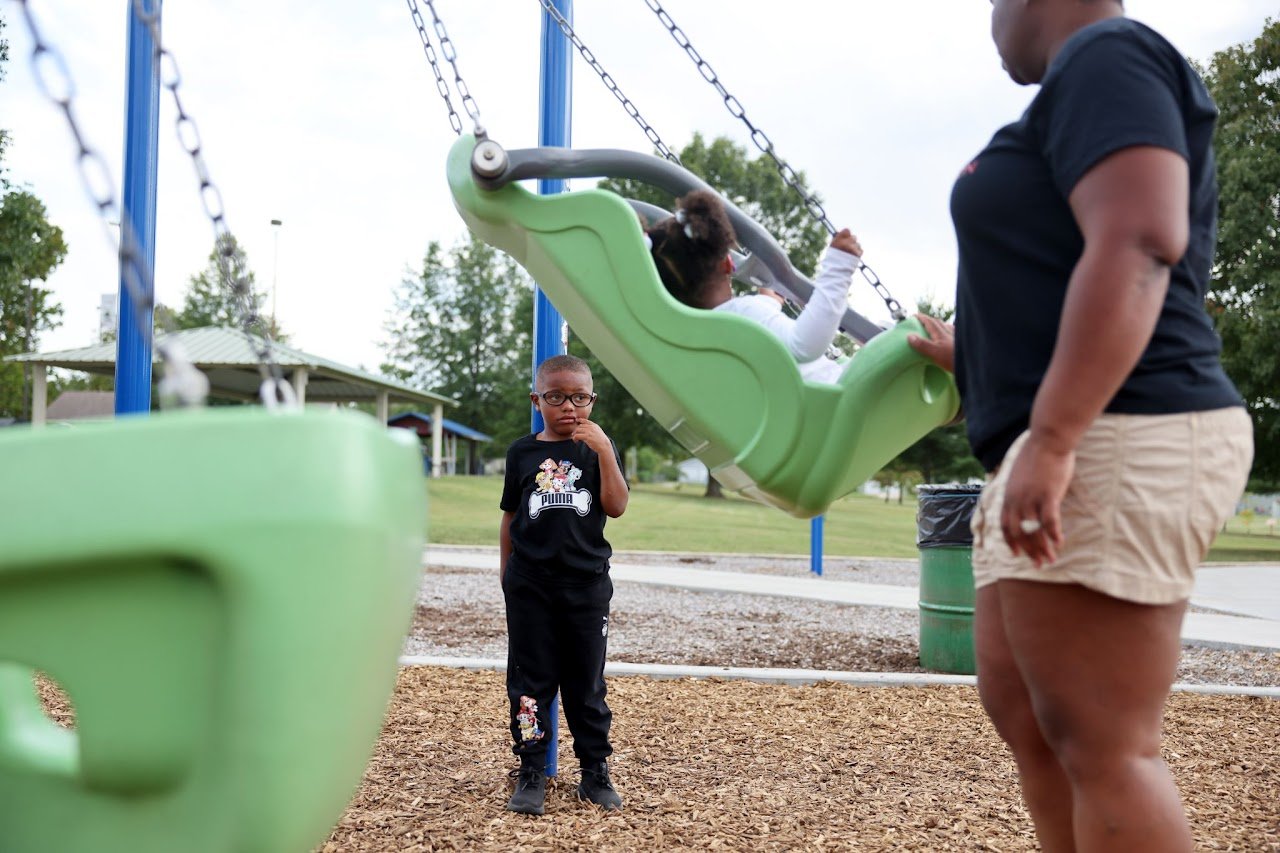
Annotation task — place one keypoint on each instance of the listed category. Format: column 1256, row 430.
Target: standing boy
column 560, row 485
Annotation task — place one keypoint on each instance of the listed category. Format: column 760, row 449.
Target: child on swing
column 691, row 252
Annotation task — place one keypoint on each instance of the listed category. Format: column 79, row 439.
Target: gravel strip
column 460, row 614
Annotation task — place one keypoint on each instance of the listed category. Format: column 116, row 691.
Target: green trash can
column 946, row 576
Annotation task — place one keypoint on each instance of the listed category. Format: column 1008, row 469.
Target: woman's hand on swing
column 940, row 346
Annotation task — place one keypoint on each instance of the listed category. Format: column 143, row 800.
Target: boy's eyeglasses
column 555, row 398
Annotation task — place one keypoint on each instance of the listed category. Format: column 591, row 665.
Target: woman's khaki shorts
column 1148, row 495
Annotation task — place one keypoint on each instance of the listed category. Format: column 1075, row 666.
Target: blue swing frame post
column 141, row 168
column 555, row 116
column 815, row 545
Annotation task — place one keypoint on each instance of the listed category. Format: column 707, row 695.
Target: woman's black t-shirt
column 553, row 487
column 1114, row 84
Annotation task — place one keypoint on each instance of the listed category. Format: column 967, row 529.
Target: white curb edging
column 803, row 676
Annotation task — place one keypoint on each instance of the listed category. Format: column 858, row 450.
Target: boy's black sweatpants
column 556, row 639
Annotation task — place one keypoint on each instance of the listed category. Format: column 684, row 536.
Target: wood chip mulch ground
column 734, row 765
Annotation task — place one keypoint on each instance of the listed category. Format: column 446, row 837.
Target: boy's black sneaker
column 531, row 790
column 595, row 787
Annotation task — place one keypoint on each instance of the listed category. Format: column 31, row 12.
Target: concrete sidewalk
column 1250, row 590
column 1249, row 594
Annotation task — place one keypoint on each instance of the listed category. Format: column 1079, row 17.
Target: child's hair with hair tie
column 689, row 247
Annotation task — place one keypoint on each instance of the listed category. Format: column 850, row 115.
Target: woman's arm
column 1132, row 209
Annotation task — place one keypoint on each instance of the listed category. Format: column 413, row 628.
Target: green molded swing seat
column 723, row 386
column 223, row 594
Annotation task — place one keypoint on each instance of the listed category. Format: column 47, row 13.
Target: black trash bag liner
column 943, row 513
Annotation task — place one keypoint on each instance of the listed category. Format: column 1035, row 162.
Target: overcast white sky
column 324, row 115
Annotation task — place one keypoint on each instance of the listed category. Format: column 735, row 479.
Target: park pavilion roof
column 229, row 357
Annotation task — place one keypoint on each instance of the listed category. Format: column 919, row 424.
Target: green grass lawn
column 464, row 511
column 1245, row 543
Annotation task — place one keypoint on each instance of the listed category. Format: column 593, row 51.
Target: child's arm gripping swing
column 809, row 335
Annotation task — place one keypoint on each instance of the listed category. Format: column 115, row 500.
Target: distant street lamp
column 275, row 271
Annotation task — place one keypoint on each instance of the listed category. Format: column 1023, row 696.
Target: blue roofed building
column 460, row 445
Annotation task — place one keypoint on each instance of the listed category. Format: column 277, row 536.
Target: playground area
column 226, row 617
column 742, row 765
column 736, row 765
column 724, row 764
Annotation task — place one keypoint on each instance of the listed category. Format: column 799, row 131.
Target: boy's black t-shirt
column 1114, row 85
column 553, row 487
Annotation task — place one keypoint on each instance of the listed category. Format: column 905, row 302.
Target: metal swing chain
column 455, row 121
column 181, row 380
column 762, row 142
column 609, row 82
column 451, row 56
column 275, row 391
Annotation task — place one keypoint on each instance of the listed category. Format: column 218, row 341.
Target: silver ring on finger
column 1030, row 525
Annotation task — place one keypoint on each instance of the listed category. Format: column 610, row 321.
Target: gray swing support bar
column 767, row 264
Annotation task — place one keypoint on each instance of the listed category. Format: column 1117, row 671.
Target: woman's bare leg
column 1098, row 671
column 1045, row 787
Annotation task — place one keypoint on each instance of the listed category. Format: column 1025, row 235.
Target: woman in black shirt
column 1094, row 395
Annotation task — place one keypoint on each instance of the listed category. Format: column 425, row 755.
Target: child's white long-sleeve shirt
column 808, row 336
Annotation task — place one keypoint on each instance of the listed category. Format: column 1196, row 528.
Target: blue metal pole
column 555, row 93
column 815, row 545
column 555, row 97
column 141, row 159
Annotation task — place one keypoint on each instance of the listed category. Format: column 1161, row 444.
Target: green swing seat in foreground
column 223, row 595
column 723, row 386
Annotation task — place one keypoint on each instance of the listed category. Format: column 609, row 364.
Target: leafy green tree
column 513, row 412
column 461, row 326
column 1245, row 298
column 4, row 59
column 61, row 381
column 755, row 186
column 30, row 249
column 942, row 456
column 219, row 294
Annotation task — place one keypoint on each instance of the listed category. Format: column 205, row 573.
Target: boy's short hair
column 562, row 363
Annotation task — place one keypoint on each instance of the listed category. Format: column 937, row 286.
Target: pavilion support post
column 300, row 385
column 39, row 394
column 437, row 443
column 384, row 407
